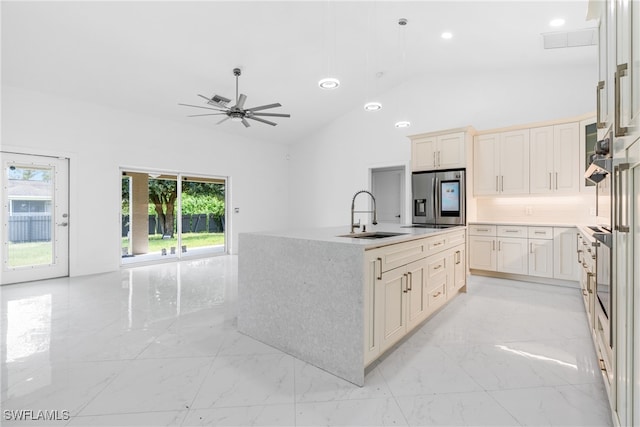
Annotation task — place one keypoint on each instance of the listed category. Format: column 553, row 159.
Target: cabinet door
column 482, row 253
column 451, row 151
column 393, row 288
column 372, row 306
column 514, row 162
column 423, row 154
column 541, row 257
column 566, row 157
column 459, row 268
column 417, row 292
column 564, row 249
column 512, row 255
column 485, row 161
column 541, row 160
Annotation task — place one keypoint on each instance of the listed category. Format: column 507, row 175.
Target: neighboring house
column 29, row 197
column 29, row 210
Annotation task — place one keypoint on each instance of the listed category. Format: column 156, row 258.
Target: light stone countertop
column 334, row 234
column 520, row 223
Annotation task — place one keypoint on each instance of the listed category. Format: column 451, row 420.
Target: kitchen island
column 339, row 302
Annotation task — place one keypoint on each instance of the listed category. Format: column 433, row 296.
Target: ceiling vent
column 577, row 38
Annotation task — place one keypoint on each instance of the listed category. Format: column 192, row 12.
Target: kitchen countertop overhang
column 336, row 234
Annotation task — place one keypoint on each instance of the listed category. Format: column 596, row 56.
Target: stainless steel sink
column 372, row 235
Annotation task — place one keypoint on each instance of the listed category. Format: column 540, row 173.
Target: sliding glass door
column 167, row 216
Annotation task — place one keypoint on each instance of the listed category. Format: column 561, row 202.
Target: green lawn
column 39, row 253
column 191, row 240
column 32, row 253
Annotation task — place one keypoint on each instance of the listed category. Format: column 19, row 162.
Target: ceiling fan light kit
column 236, row 113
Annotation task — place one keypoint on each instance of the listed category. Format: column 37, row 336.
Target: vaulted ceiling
column 148, row 56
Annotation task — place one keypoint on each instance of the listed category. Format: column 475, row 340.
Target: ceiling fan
column 237, row 113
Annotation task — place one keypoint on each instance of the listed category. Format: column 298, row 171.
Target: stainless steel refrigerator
column 439, row 198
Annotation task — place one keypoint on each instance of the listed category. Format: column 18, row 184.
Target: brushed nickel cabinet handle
column 599, row 123
column 379, row 261
column 434, row 159
column 531, row 247
column 549, row 180
column 409, row 281
column 406, row 288
column 494, row 245
column 620, row 209
column 502, row 183
column 437, row 267
column 497, row 184
column 511, row 231
column 482, row 229
column 621, row 71
column 556, row 180
column 438, row 294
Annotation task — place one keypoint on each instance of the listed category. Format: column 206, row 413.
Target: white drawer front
column 482, row 230
column 512, row 231
column 541, row 232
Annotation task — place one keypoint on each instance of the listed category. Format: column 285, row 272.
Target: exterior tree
column 163, row 194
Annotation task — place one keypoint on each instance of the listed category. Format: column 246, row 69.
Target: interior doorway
column 35, row 217
column 388, row 187
column 172, row 216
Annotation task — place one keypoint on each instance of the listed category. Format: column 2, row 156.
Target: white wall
column 100, row 140
column 328, row 167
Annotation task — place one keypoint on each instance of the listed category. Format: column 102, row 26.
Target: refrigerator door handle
column 436, row 199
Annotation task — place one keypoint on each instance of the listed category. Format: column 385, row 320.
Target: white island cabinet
column 339, row 302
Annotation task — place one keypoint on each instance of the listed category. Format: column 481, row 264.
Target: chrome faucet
column 353, row 211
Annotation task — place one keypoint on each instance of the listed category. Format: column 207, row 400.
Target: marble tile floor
column 157, row 345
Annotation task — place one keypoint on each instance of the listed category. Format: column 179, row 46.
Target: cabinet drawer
column 482, row 230
column 436, row 244
column 541, row 233
column 436, row 266
column 394, row 256
column 437, row 297
column 455, row 239
column 512, row 231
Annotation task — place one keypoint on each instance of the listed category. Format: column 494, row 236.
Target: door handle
column 599, row 87
column 621, row 71
column 620, row 213
column 379, row 262
column 63, row 224
column 409, row 281
column 406, row 288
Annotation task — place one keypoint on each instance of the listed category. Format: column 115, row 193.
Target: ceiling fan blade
column 200, row 106
column 271, row 114
column 202, row 96
column 226, row 118
column 245, row 122
column 241, row 101
column 262, row 120
column 211, row 114
column 264, row 107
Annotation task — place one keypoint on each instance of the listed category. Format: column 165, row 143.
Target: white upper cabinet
column 501, row 163
column 439, row 151
column 554, row 154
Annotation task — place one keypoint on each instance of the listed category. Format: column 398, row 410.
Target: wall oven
column 600, row 173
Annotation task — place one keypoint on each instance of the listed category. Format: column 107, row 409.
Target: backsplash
column 573, row 209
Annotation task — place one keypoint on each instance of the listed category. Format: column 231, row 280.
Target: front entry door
column 35, row 220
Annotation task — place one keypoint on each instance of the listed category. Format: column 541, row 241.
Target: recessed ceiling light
column 403, row 124
column 558, row 22
column 372, row 106
column 446, row 35
column 329, row 83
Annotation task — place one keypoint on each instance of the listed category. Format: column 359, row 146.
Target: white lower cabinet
column 483, row 253
column 512, row 255
column 564, row 247
column 400, row 298
column 538, row 251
